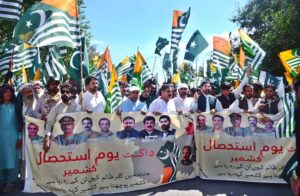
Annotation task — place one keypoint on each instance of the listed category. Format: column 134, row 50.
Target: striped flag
column 10, row 9
column 146, row 74
column 252, row 50
column 102, row 81
column 291, row 61
column 35, row 70
column 235, row 71
column 221, row 52
column 20, row 55
column 286, row 125
column 54, row 65
column 114, row 97
column 180, row 20
column 124, row 67
column 167, row 66
column 50, row 22
column 105, row 64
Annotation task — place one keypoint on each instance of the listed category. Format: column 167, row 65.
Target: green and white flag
column 54, row 65
column 124, row 67
column 146, row 74
column 252, row 50
column 167, row 66
column 10, row 9
column 286, row 125
column 76, row 61
column 48, row 23
column 235, row 71
column 102, row 81
column 36, row 65
column 160, row 44
column 20, row 55
column 196, row 45
column 114, row 96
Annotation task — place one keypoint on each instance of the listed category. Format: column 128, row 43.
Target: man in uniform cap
column 68, row 138
column 236, row 129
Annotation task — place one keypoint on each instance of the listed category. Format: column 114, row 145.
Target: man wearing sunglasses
column 65, row 106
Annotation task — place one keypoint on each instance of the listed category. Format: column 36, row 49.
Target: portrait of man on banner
column 68, row 137
column 128, row 132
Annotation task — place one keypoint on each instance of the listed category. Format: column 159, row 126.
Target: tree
column 275, row 25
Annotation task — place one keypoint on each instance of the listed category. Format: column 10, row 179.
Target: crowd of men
column 47, row 102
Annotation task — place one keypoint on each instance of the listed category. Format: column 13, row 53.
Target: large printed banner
column 240, row 148
column 102, row 153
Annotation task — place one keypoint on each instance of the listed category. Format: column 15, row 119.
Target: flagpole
column 154, row 64
column 196, row 72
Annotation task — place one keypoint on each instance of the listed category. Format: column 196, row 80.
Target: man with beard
column 65, row 106
column 206, row 101
column 87, row 124
column 93, row 100
column 236, row 129
column 68, row 137
column 228, row 97
column 252, row 120
column 165, row 123
column 183, row 103
column 38, row 89
column 149, row 132
column 129, row 132
column 47, row 101
column 164, row 103
column 270, row 106
column 132, row 103
column 33, row 130
column 246, row 103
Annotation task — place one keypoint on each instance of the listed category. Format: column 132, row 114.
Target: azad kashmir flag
column 19, row 55
column 235, row 71
column 105, row 64
column 136, row 79
column 50, row 22
column 114, row 97
column 10, row 9
column 180, row 20
column 221, row 52
column 254, row 54
column 54, row 65
column 196, row 44
column 291, row 61
column 76, row 61
column 35, row 70
column 124, row 68
column 160, row 44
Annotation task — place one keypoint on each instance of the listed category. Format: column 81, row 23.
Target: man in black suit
column 129, row 132
column 165, row 124
column 149, row 132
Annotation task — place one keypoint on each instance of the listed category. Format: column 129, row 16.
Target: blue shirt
column 129, row 106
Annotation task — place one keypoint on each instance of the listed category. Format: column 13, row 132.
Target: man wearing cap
column 68, row 138
column 38, row 89
column 246, row 103
column 206, row 101
column 47, row 101
column 164, row 103
column 93, row 100
column 65, row 106
column 228, row 97
column 183, row 103
column 270, row 106
column 236, row 129
column 132, row 103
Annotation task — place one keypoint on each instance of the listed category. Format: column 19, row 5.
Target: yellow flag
column 138, row 67
column 176, row 78
column 37, row 75
column 106, row 57
column 113, row 79
column 24, row 74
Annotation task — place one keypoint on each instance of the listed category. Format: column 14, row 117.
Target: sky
column 128, row 25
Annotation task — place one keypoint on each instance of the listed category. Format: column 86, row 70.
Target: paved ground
column 207, row 187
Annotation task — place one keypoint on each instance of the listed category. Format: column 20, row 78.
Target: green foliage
column 275, row 24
